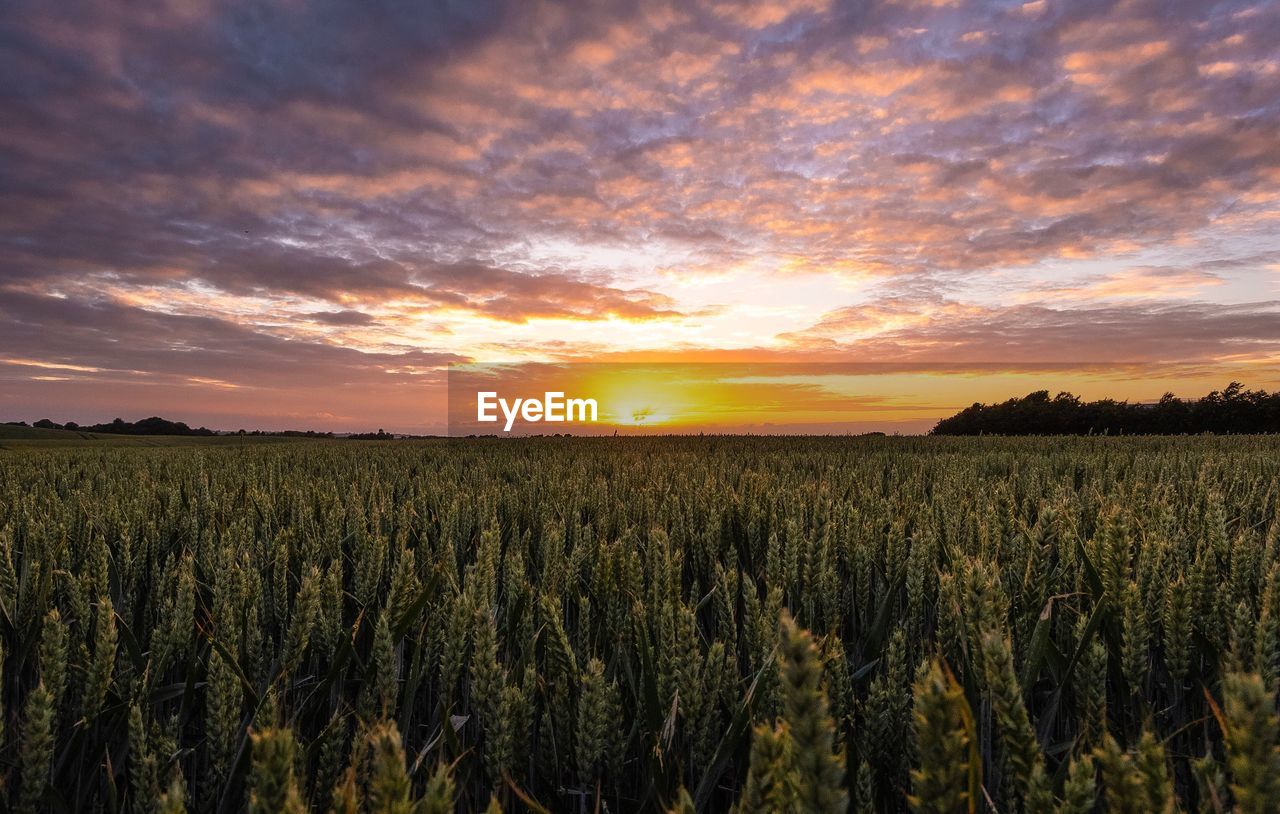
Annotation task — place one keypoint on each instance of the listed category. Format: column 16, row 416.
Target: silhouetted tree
column 1231, row 410
column 148, row 426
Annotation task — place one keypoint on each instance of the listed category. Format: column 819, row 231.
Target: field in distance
column 14, row 436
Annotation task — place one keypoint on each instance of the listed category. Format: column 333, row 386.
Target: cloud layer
column 265, row 199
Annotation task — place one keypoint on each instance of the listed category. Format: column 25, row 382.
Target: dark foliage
column 148, row 426
column 1233, row 410
column 380, row 435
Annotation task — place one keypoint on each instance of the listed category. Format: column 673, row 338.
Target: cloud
column 1154, row 333
column 1142, row 282
column 434, row 175
column 341, row 318
column 469, row 127
column 106, row 338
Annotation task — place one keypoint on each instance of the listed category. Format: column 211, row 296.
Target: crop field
column 588, row 625
column 15, row 437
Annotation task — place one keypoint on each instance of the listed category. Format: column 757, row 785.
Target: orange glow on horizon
column 786, row 397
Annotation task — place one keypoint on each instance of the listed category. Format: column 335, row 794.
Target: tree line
column 155, row 425
column 1233, row 410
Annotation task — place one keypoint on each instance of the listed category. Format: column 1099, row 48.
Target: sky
column 299, row 214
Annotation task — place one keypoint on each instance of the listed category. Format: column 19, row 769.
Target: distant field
column 14, row 436
column 10, row 432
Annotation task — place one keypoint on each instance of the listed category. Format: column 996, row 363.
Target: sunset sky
column 298, row 214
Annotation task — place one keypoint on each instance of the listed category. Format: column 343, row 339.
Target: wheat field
column 710, row 624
